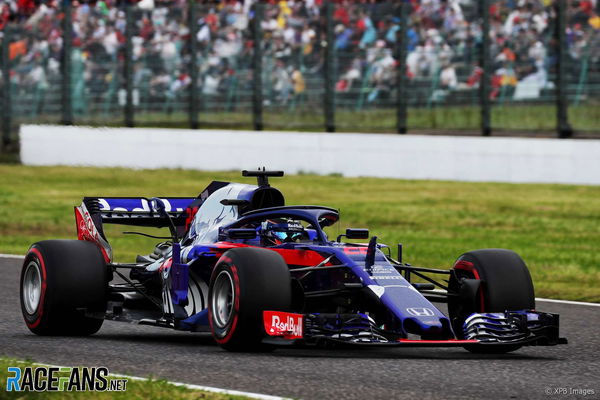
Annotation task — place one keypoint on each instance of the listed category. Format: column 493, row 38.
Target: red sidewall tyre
column 505, row 285
column 244, row 283
column 72, row 279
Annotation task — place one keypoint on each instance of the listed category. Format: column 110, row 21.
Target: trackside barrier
column 350, row 154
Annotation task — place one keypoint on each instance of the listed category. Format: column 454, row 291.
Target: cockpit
column 280, row 225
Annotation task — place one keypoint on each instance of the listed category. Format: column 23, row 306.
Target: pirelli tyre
column 61, row 281
column 244, row 283
column 488, row 280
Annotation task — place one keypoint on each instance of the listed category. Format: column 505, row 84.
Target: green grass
column 519, row 118
column 555, row 228
column 151, row 389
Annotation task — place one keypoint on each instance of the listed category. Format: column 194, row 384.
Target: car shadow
column 170, row 341
column 170, row 338
column 205, row 341
column 429, row 353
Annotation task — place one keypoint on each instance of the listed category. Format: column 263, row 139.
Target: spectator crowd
column 444, row 38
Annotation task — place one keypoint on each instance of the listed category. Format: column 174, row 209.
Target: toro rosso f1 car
column 242, row 265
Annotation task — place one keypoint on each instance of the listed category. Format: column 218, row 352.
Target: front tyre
column 504, row 285
column 244, row 283
column 60, row 281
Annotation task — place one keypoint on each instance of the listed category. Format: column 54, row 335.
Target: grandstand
column 150, row 53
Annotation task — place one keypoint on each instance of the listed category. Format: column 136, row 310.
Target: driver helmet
column 281, row 231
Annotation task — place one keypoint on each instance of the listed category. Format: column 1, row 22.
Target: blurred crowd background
column 443, row 71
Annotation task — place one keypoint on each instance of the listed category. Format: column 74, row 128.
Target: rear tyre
column 505, row 285
column 60, row 281
column 244, row 283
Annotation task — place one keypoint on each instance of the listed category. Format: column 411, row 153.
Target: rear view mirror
column 352, row 233
column 241, row 234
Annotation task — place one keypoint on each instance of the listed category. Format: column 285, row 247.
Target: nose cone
column 429, row 327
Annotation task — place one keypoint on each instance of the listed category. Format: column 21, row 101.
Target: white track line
column 210, row 389
column 185, row 385
column 12, row 256
column 575, row 303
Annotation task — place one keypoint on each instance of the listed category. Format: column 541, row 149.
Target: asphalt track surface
column 374, row 373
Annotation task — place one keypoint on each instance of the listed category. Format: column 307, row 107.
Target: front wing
column 519, row 328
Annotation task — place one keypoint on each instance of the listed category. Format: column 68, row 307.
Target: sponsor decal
column 295, row 226
column 386, row 277
column 126, row 205
column 355, row 250
column 382, row 269
column 378, row 290
column 145, row 208
column 115, row 208
column 357, row 253
column 420, row 312
column 86, row 230
column 62, row 379
column 288, row 325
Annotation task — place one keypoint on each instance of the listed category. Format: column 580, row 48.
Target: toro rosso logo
column 86, row 230
column 288, row 325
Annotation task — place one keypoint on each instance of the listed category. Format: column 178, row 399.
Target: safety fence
column 315, row 65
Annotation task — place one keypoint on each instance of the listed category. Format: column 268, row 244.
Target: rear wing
column 137, row 210
column 94, row 212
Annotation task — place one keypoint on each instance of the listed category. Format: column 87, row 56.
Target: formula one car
column 256, row 273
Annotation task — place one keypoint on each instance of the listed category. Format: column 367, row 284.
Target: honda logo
column 420, row 312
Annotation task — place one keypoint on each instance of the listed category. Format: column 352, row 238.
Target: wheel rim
column 223, row 299
column 32, row 287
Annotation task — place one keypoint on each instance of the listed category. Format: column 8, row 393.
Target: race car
column 257, row 273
